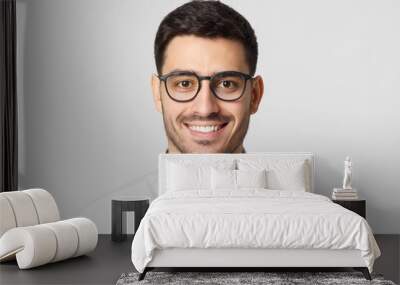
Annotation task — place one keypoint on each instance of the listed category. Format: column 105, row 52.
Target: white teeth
column 204, row 129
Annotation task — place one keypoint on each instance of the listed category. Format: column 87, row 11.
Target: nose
column 205, row 102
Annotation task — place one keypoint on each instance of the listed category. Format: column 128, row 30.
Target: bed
column 242, row 211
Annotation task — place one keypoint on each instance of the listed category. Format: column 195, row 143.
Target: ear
column 155, row 86
column 256, row 93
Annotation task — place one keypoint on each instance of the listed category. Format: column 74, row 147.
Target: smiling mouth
column 211, row 129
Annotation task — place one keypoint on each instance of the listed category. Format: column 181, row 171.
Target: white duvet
column 250, row 218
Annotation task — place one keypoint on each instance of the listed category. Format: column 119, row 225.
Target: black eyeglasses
column 183, row 86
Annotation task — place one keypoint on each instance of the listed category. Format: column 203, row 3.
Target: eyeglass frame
column 163, row 78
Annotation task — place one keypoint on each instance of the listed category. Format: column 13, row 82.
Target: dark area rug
column 228, row 278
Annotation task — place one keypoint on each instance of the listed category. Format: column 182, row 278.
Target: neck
column 239, row 149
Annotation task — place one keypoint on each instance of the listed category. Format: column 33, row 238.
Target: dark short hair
column 208, row 19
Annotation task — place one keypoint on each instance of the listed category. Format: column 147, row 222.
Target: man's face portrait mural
column 206, row 88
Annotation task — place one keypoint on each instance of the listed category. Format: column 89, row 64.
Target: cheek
column 172, row 111
column 238, row 110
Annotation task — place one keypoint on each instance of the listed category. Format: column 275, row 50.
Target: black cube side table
column 119, row 207
column 357, row 206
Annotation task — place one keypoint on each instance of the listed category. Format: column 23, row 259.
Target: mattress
column 250, row 219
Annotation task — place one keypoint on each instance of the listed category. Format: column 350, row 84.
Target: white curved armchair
column 31, row 230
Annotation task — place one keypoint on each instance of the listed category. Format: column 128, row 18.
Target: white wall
column 88, row 128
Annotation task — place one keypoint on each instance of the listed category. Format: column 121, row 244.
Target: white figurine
column 347, row 173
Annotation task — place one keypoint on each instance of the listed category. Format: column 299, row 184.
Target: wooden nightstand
column 357, row 206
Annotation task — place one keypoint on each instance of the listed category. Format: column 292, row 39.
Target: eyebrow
column 183, row 70
column 180, row 70
column 194, row 71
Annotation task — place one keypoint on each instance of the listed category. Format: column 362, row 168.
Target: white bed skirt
column 235, row 257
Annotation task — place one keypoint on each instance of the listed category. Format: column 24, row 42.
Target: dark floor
column 111, row 259
column 102, row 266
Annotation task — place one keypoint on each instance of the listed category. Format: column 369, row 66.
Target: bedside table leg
column 140, row 211
column 116, row 221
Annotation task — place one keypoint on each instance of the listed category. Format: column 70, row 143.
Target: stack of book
column 344, row 194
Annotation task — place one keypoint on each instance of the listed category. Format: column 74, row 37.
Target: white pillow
column 223, row 179
column 236, row 179
column 251, row 178
column 282, row 174
column 189, row 174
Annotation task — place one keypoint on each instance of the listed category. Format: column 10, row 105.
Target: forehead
column 204, row 55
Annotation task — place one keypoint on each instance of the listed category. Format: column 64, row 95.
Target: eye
column 228, row 84
column 184, row 84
